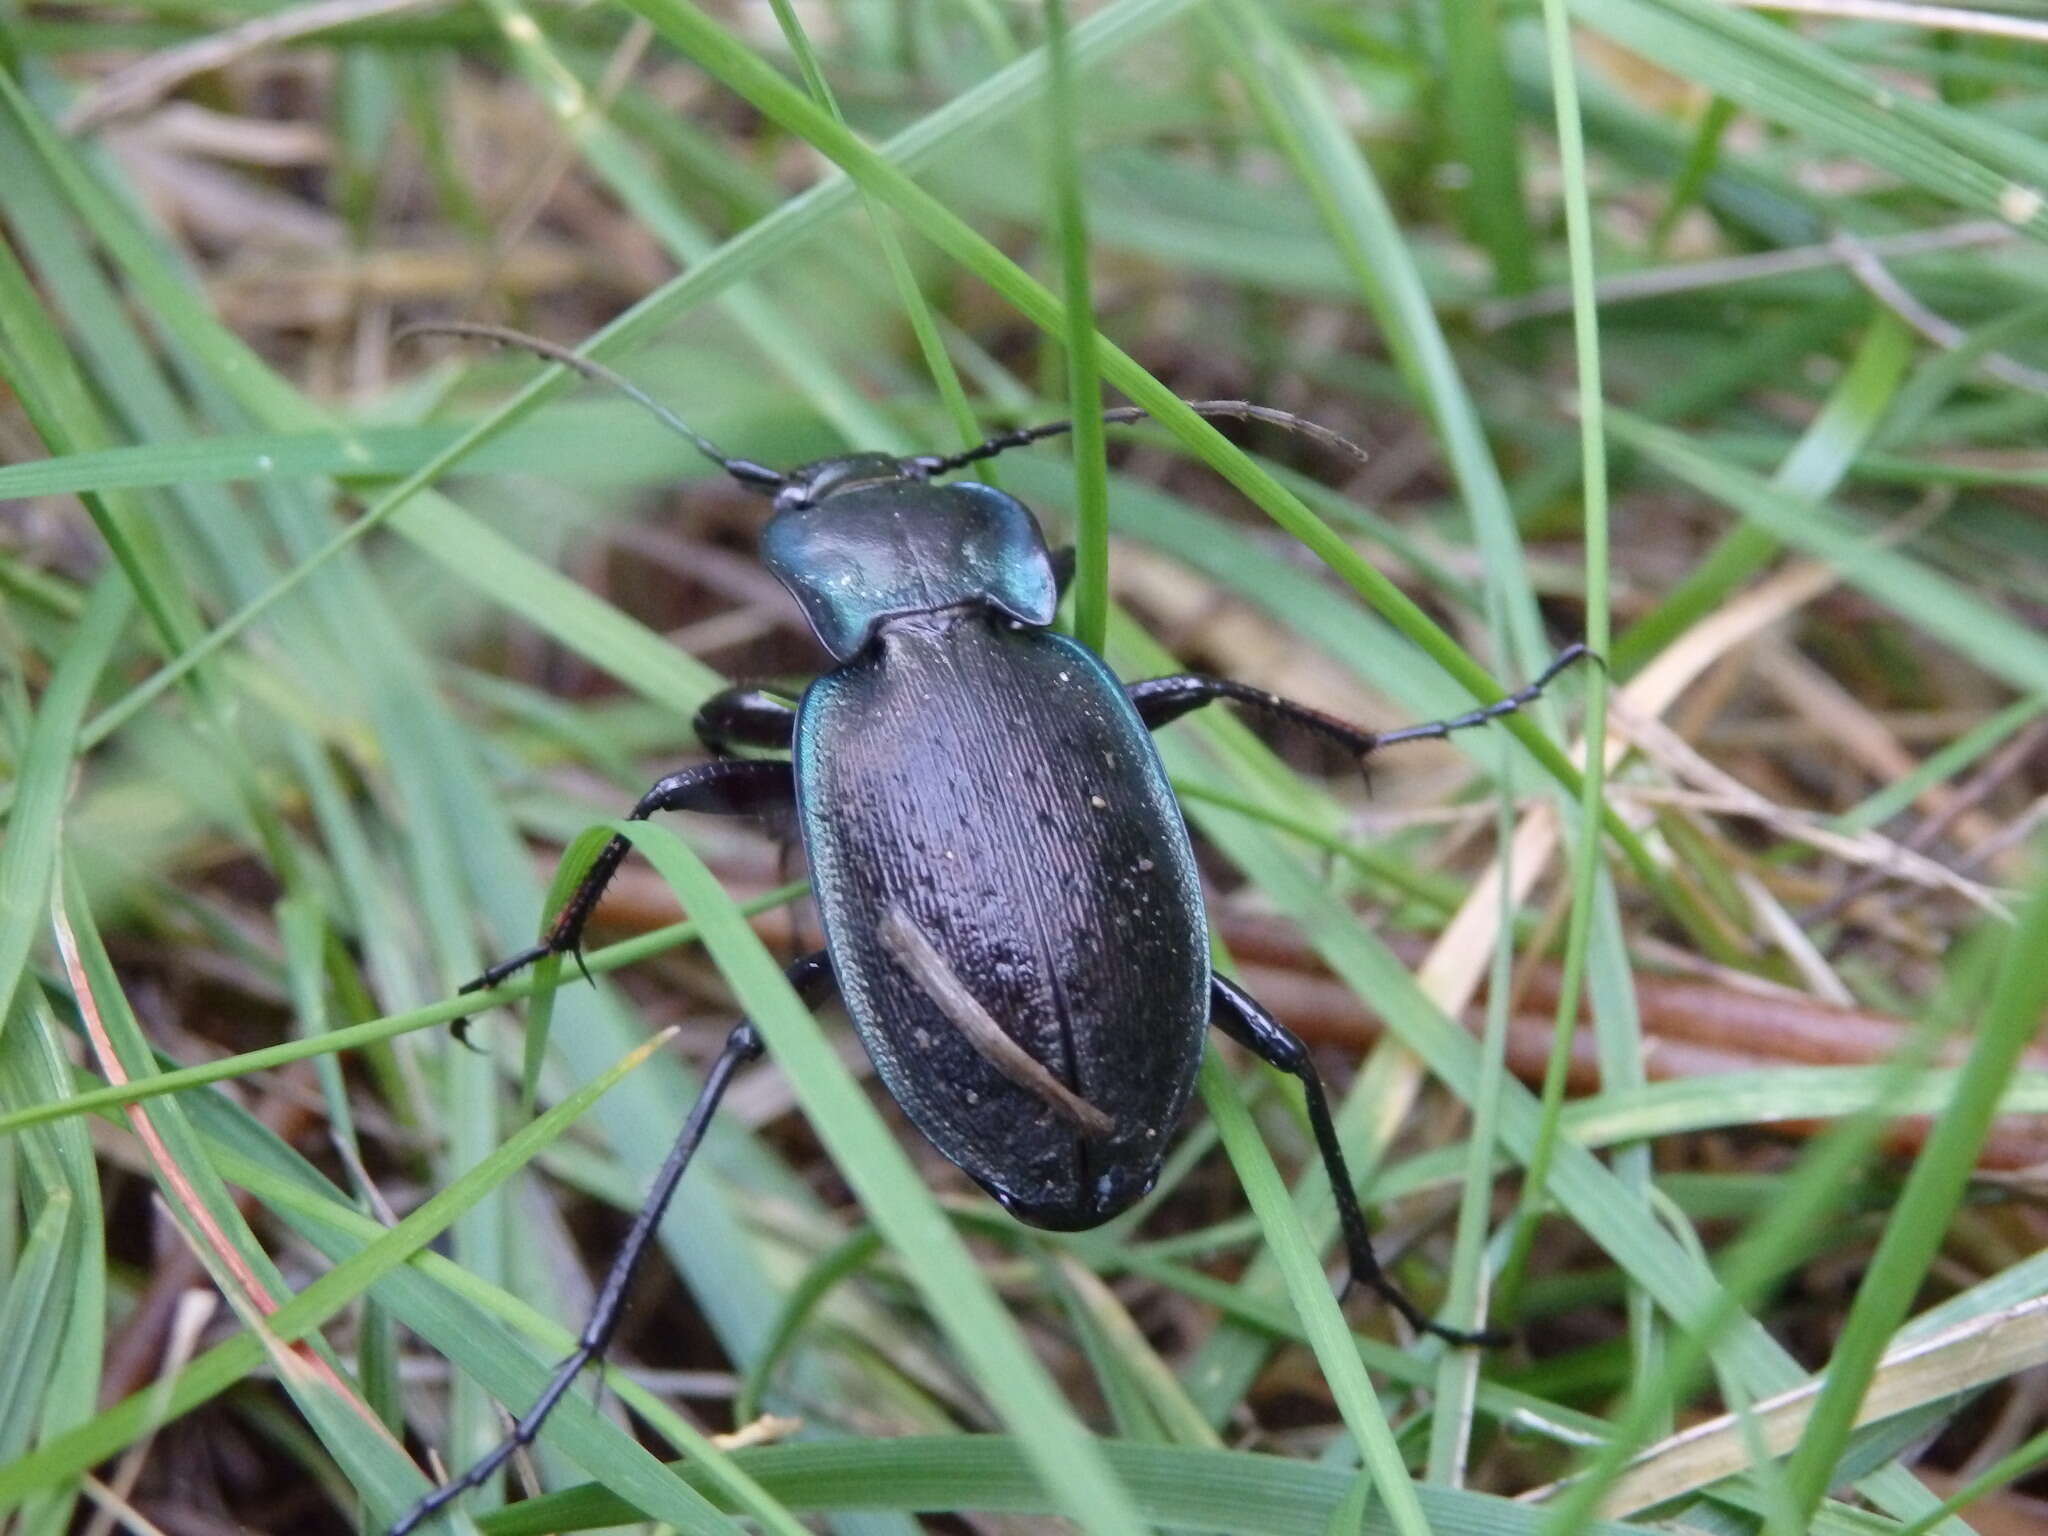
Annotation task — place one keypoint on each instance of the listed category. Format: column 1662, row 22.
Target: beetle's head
column 867, row 538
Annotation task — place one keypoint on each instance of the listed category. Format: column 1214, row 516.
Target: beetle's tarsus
column 1421, row 1321
column 1513, row 704
column 506, row 968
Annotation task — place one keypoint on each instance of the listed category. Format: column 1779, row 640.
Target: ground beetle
column 1011, row 908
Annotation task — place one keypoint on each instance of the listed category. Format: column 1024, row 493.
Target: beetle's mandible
column 1010, row 902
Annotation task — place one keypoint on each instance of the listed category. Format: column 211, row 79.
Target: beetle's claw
column 459, row 1028
column 576, row 954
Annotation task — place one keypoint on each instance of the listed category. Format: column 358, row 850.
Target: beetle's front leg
column 1162, row 700
column 1239, row 1015
column 732, row 787
column 746, row 715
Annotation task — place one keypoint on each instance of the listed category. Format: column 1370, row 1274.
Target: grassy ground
column 1708, row 337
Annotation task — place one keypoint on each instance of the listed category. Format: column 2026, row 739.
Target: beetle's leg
column 731, row 787
column 1521, row 697
column 746, row 716
column 1239, row 1015
column 1165, row 699
column 812, row 978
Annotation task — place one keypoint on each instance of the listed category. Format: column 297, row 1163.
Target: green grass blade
column 1921, row 1218
column 1084, row 381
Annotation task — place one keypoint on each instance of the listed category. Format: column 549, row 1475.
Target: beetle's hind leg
column 746, row 715
column 729, row 787
column 1162, row 700
column 1240, row 1016
column 812, row 978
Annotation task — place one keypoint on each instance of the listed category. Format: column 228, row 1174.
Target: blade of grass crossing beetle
column 1084, row 378
column 1004, row 1368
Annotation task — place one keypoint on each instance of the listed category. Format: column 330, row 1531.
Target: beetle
column 1012, row 913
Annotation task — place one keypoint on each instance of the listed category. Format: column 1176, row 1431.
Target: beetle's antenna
column 1238, row 410
column 743, row 470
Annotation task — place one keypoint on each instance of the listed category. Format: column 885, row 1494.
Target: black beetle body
column 967, row 775
column 1011, row 906
column 995, row 786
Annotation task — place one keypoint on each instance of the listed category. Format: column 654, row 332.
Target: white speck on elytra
column 1098, row 802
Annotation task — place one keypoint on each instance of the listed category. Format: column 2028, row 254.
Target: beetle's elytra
column 1010, row 903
